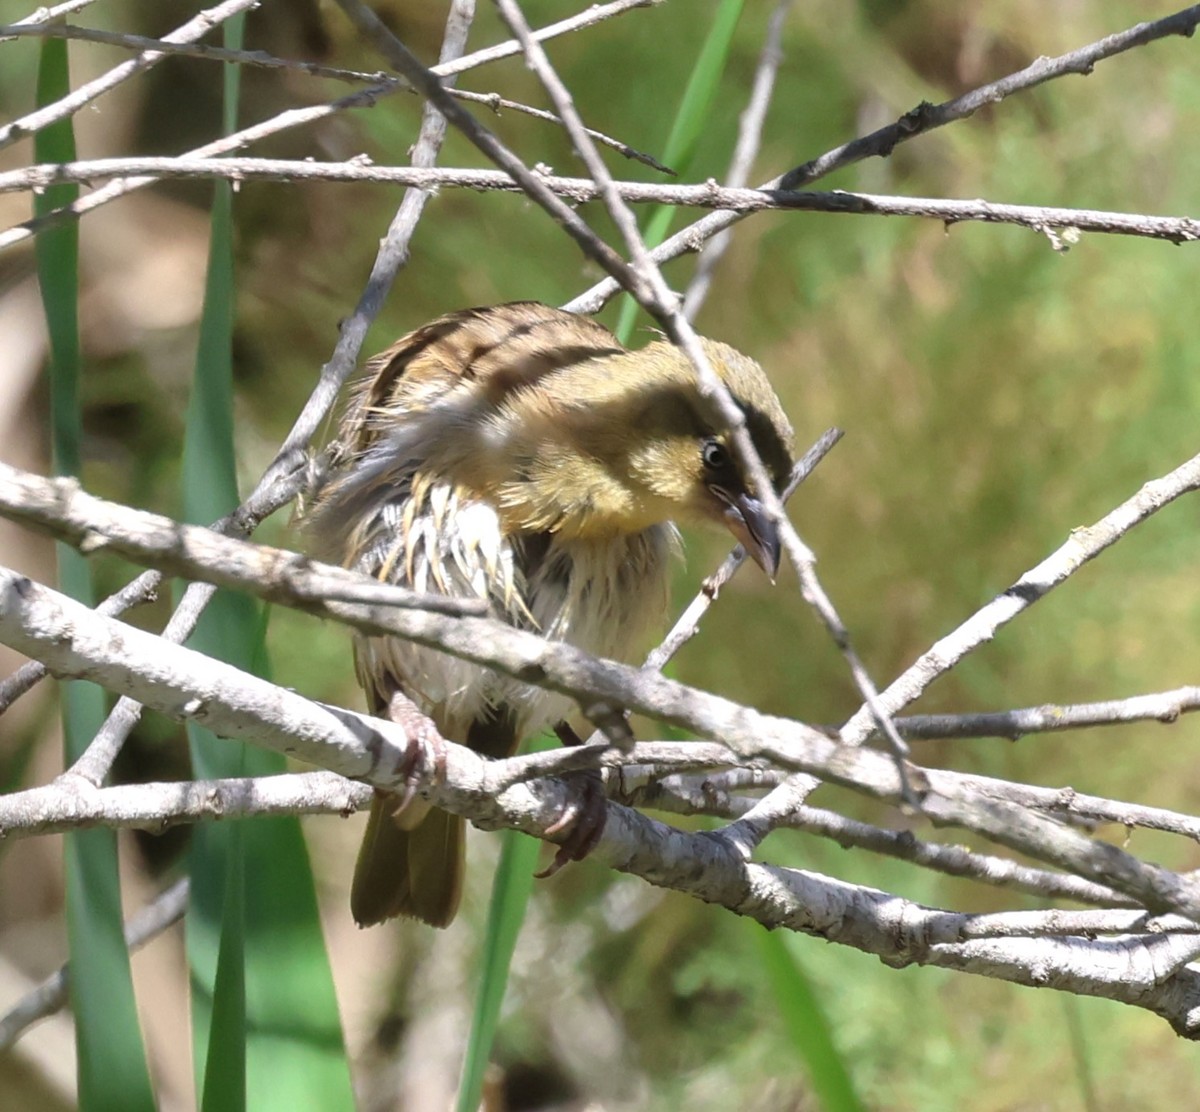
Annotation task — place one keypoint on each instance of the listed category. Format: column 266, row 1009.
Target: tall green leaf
column 112, row 1071
column 225, row 1065
column 266, row 1029
column 690, row 122
column 511, row 888
column 806, row 1022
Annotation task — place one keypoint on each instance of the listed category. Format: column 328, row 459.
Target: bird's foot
column 425, row 746
column 583, row 817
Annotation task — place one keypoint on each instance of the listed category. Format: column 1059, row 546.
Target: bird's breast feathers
column 601, row 596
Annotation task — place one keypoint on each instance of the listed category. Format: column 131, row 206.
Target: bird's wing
column 496, row 348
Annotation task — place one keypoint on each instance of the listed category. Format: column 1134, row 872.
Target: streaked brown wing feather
column 501, row 347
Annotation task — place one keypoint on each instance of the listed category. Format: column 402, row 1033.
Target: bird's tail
column 411, row 863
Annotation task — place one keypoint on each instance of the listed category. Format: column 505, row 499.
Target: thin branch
column 195, row 28
column 1162, row 706
column 297, row 117
column 1084, row 544
column 708, row 794
column 260, row 59
column 590, row 16
column 41, row 15
column 688, row 623
column 140, row 590
column 1068, row 803
column 400, row 58
column 496, row 102
column 292, row 117
column 925, row 117
column 1038, row 218
column 72, row 803
column 51, row 995
column 92, row 524
column 745, row 151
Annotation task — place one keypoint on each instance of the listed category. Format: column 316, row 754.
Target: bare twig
column 71, row 803
column 61, row 507
column 708, row 794
column 369, row 25
column 1083, row 545
column 745, row 151
column 496, row 103
column 589, row 17
column 1038, row 218
column 260, row 59
column 1162, row 706
column 925, row 117
column 1068, row 803
column 688, row 623
column 51, row 995
column 297, row 117
column 42, row 15
column 194, row 29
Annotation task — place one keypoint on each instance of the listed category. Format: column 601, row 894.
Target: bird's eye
column 714, row 455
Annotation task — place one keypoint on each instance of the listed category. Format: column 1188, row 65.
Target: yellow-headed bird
column 519, row 454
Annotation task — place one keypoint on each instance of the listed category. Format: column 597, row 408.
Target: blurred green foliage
column 995, row 394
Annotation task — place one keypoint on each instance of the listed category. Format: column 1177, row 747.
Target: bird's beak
column 746, row 518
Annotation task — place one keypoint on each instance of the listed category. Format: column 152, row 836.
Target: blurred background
column 995, row 394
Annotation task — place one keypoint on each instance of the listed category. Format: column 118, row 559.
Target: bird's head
column 618, row 443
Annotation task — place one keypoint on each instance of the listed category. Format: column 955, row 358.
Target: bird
column 521, row 455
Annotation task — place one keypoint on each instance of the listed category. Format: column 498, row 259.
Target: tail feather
column 416, row 871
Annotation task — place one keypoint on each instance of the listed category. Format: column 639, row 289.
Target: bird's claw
column 425, row 746
column 584, row 817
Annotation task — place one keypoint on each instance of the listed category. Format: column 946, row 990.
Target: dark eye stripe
column 771, row 446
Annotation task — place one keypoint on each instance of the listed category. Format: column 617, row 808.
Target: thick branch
column 182, row 683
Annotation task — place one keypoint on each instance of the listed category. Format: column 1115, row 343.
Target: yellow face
column 618, row 444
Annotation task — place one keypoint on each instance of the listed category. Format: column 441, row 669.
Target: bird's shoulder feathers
column 490, row 351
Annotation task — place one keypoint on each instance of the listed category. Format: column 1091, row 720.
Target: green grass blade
column 266, row 1028
column 687, row 128
column 1081, row 1053
column 226, row 631
column 112, row 1072
column 225, row 1067
column 806, row 1023
column 511, row 889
